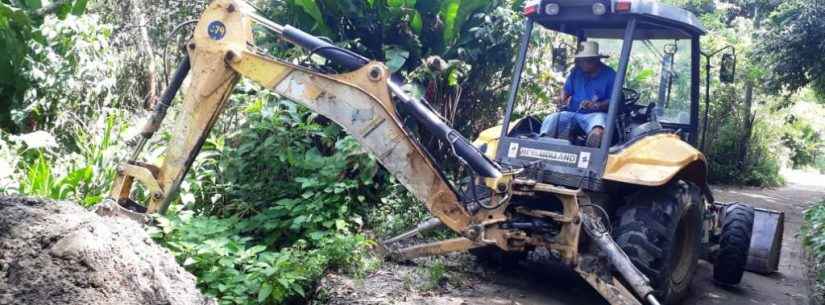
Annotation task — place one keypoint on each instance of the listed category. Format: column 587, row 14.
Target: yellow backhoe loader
column 632, row 216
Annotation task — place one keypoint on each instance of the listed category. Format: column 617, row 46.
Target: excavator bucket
column 766, row 241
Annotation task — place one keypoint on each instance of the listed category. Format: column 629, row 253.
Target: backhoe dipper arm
column 221, row 52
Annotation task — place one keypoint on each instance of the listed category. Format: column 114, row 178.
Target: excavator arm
column 363, row 102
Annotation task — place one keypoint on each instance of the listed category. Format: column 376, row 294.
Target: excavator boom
column 360, row 101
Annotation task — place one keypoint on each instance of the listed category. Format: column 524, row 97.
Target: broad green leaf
column 33, row 4
column 64, row 10
column 453, row 77
column 263, row 294
column 643, row 75
column 79, row 7
column 396, row 57
column 455, row 13
column 299, row 290
column 449, row 14
column 256, row 249
column 341, row 225
column 311, row 8
column 417, row 23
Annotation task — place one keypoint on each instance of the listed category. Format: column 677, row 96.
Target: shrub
column 68, row 75
column 761, row 164
column 273, row 203
column 84, row 176
column 237, row 268
column 284, row 160
column 804, row 141
column 397, row 211
column 813, row 232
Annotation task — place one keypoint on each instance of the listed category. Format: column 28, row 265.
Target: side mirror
column 560, row 59
column 727, row 70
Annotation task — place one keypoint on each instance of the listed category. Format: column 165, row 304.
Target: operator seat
column 575, row 136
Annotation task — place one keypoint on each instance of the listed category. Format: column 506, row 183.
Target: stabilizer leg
column 436, row 248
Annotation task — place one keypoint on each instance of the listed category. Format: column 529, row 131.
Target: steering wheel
column 631, row 97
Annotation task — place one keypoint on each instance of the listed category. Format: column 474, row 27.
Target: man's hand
column 564, row 101
column 592, row 105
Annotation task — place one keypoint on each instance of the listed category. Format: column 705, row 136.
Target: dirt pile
column 59, row 253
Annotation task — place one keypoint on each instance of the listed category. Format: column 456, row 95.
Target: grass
column 39, row 168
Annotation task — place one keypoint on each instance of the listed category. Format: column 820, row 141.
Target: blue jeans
column 564, row 119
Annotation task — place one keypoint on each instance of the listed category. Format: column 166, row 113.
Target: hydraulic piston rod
column 425, row 226
column 154, row 122
column 618, row 259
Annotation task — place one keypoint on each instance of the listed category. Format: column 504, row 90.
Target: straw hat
column 590, row 49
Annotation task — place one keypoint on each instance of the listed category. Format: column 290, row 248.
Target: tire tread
column 646, row 232
column 734, row 244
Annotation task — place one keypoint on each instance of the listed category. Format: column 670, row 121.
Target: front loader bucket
column 766, row 241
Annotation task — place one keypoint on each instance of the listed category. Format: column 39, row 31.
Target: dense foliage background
column 279, row 195
column 813, row 232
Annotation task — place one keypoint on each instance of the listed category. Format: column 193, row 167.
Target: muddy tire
column 660, row 229
column 495, row 257
column 734, row 243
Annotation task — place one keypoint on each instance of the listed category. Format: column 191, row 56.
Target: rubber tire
column 648, row 230
column 734, row 244
column 495, row 257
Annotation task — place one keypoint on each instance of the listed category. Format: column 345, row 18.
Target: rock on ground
column 59, row 253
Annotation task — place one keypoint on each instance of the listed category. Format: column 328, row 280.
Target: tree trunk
column 747, row 126
column 145, row 48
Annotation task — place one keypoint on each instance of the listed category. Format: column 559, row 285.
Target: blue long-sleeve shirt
column 582, row 87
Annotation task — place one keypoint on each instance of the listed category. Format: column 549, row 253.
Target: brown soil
column 59, row 253
column 539, row 283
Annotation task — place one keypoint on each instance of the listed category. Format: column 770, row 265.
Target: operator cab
column 654, row 49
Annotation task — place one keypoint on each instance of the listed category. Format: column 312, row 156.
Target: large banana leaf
column 455, row 13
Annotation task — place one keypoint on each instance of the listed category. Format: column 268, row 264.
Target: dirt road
column 790, row 285
column 465, row 282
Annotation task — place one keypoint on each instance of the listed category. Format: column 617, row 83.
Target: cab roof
column 655, row 20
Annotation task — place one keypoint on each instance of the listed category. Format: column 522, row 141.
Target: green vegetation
column 457, row 53
column 233, row 261
column 27, row 38
column 790, row 46
column 268, row 216
column 33, row 165
column 752, row 136
column 279, row 195
column 813, row 232
column 436, row 274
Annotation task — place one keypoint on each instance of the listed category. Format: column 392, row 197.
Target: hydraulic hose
column 346, row 58
column 154, row 122
column 429, row 120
